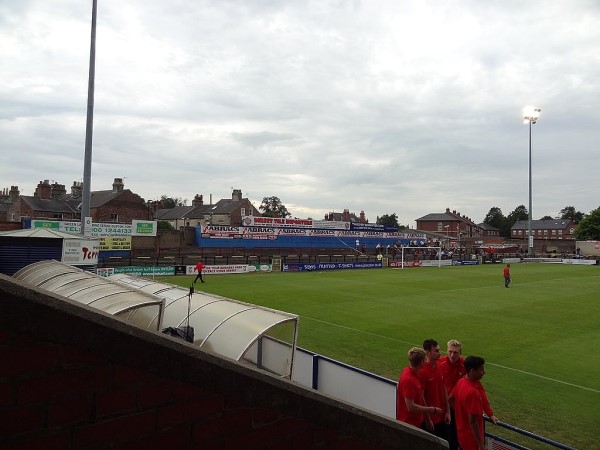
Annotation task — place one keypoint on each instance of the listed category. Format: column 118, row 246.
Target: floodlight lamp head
column 531, row 114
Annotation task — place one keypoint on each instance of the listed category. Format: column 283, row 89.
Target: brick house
column 346, row 216
column 7, row 198
column 550, row 229
column 117, row 205
column 51, row 201
column 489, row 230
column 224, row 212
column 449, row 223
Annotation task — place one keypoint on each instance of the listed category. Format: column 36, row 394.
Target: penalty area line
column 524, row 372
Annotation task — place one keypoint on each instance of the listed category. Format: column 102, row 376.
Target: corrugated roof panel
column 97, row 292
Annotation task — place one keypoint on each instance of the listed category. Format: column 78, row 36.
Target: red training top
column 199, row 266
column 451, row 372
column 409, row 387
column 467, row 402
column 432, row 380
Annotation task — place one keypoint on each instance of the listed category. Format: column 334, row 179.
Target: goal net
column 421, row 256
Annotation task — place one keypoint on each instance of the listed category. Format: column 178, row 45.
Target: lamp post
column 530, row 116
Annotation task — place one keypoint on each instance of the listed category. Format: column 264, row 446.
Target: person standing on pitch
column 507, row 275
column 199, row 269
column 410, row 405
column 468, row 405
column 434, row 390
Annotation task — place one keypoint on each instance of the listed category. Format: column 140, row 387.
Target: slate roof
column 548, row 224
column 99, row 198
column 48, row 204
column 198, row 212
column 178, row 212
column 487, row 226
column 437, row 217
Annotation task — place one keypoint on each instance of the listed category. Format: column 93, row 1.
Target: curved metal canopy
column 87, row 288
column 227, row 327
column 251, row 334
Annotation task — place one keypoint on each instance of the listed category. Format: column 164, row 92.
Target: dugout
column 250, row 334
column 92, row 290
column 19, row 248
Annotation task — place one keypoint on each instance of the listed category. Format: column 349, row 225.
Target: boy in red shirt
column 199, row 269
column 410, row 406
column 468, row 405
column 507, row 275
column 434, row 390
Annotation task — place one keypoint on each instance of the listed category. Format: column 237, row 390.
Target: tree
column 569, row 212
column 164, row 225
column 389, row 220
column 272, row 207
column 171, row 202
column 519, row 213
column 589, row 227
column 495, row 218
column 547, row 218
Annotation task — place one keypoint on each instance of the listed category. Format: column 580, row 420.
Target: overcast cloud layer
column 403, row 107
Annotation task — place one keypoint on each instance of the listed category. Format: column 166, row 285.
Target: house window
column 114, row 217
column 545, row 232
column 554, row 232
column 440, row 226
column 559, row 231
column 58, row 216
column 243, row 212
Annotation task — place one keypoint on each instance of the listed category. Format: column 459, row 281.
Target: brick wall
column 75, row 378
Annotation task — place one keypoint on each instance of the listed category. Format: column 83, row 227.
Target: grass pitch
column 539, row 337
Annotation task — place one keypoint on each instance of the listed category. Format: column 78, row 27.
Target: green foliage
column 171, row 202
column 390, row 220
column 569, row 212
column 164, row 225
column 530, row 335
column 589, row 227
column 272, row 207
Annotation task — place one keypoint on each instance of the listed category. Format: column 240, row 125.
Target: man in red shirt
column 434, row 390
column 507, row 275
column 199, row 269
column 453, row 369
column 468, row 405
column 410, row 406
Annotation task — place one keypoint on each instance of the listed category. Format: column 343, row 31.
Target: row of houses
column 120, row 205
column 455, row 225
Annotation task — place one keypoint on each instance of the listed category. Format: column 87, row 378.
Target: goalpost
column 438, row 253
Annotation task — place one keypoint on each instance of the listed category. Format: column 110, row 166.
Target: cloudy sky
column 405, row 107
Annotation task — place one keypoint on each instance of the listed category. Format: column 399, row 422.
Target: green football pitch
column 540, row 337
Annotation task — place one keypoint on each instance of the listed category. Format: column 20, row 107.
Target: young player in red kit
column 434, row 390
column 468, row 405
column 453, row 369
column 410, row 406
column 507, row 275
column 199, row 269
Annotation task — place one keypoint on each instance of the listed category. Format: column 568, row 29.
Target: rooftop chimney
column 236, row 195
column 198, row 200
column 14, row 193
column 58, row 191
column 76, row 189
column 118, row 185
column 43, row 190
